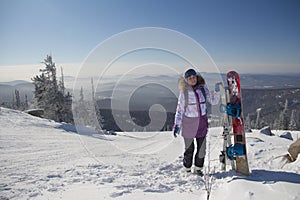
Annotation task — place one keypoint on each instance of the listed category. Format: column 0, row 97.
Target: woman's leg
column 201, row 151
column 188, row 153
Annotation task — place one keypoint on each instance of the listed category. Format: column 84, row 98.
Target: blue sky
column 250, row 36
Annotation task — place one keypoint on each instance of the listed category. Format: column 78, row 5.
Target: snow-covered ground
column 41, row 159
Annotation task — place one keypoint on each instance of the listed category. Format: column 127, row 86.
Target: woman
column 191, row 117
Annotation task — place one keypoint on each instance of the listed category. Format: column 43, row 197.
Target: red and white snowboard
column 235, row 99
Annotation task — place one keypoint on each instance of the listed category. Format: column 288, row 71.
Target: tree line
column 284, row 119
column 16, row 103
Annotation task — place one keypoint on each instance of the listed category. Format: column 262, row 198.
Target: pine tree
column 50, row 70
column 67, row 111
column 293, row 122
column 49, row 96
column 248, row 122
column 87, row 111
column 283, row 118
column 62, row 82
column 40, row 89
column 18, row 101
column 52, row 97
column 26, row 102
column 81, row 96
column 82, row 110
column 257, row 123
column 281, row 121
column 93, row 90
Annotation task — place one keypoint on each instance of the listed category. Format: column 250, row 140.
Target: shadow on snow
column 266, row 176
column 82, row 131
column 263, row 176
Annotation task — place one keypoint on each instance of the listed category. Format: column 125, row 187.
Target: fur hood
column 182, row 84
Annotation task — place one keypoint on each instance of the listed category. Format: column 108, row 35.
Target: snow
column 42, row 159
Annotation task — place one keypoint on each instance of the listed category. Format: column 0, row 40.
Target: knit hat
column 189, row 73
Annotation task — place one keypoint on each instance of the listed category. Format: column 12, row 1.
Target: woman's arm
column 179, row 109
column 212, row 97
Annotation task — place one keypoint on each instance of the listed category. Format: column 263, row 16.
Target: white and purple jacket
column 192, row 118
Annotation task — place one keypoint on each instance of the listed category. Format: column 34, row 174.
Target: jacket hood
column 182, row 84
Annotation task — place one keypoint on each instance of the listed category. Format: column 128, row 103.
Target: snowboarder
column 191, row 117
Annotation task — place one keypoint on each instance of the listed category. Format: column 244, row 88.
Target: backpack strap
column 203, row 92
column 186, row 98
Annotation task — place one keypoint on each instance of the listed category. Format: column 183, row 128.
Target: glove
column 176, row 130
column 217, row 86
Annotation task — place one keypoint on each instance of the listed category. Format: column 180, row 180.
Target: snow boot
column 198, row 171
column 186, row 169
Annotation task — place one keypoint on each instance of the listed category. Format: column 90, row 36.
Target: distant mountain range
column 7, row 90
column 248, row 81
column 265, row 92
column 261, row 81
column 13, row 83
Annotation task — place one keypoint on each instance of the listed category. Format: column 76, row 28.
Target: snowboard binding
column 233, row 110
column 235, row 150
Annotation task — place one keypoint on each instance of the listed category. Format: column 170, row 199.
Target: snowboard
column 234, row 109
column 226, row 134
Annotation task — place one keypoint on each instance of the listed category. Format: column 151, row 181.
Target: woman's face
column 192, row 80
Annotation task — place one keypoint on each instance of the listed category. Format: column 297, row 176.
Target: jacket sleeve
column 179, row 109
column 212, row 97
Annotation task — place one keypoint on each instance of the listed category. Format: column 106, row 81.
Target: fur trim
column 182, row 84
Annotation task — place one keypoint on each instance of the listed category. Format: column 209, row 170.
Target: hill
column 42, row 159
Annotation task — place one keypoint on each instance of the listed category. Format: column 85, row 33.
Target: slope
column 42, row 159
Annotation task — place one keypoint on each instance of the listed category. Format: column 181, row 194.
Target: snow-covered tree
column 93, row 91
column 62, row 82
column 81, row 110
column 293, row 122
column 257, row 122
column 67, row 108
column 18, row 101
column 26, row 105
column 248, row 122
column 100, row 120
column 81, row 96
column 283, row 118
column 86, row 111
column 50, row 70
column 49, row 96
